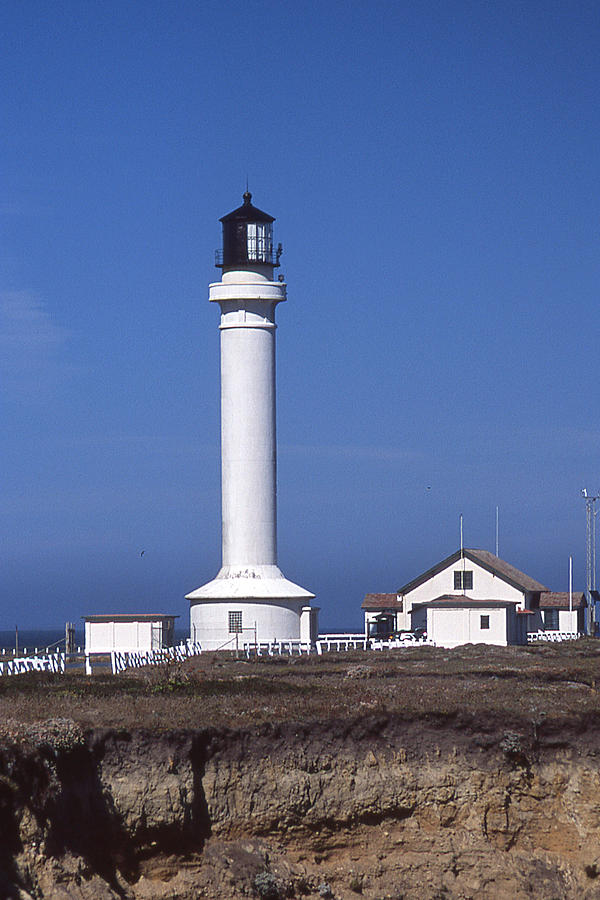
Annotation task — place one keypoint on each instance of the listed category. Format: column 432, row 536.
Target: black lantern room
column 247, row 238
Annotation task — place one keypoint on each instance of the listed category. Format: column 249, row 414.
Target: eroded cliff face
column 378, row 808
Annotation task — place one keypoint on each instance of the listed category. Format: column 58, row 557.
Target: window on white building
column 484, row 622
column 463, row 581
column 235, row 622
column 551, row 619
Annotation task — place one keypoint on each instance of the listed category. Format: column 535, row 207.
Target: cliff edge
column 379, row 806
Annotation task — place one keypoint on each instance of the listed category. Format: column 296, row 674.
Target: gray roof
column 486, row 560
column 129, row 617
column 561, row 600
column 461, row 601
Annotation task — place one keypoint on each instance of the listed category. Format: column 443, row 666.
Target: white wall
column 98, row 636
column 102, row 637
column 403, row 619
column 449, row 627
column 248, row 454
column 309, row 624
column 486, row 586
column 127, row 634
column 248, row 431
column 276, row 620
column 567, row 621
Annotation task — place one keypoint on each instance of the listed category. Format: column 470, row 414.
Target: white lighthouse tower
column 250, row 598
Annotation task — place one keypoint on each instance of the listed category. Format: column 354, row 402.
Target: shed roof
column 560, row 600
column 486, row 560
column 382, row 601
column 129, row 617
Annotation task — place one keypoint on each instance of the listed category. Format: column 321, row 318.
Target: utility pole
column 590, row 554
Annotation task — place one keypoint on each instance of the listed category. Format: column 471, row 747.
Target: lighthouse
column 250, row 599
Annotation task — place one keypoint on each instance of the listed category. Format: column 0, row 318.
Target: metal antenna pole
column 497, row 535
column 595, row 513
column 570, row 587
column 590, row 554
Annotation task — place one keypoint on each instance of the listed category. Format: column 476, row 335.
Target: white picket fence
column 277, row 648
column 50, row 662
column 55, row 662
column 326, row 643
column 401, row 642
column 340, row 643
column 534, row 637
column 121, row 660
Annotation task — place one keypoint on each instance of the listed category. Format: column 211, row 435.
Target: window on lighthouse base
column 235, row 622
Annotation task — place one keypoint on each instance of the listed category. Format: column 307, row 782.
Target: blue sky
column 433, row 168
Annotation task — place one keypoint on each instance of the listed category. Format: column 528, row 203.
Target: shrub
column 267, row 887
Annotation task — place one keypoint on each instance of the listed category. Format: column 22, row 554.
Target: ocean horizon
column 54, row 637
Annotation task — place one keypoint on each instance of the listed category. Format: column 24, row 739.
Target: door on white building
column 156, row 636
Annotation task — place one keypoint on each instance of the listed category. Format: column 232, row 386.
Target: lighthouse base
column 249, row 604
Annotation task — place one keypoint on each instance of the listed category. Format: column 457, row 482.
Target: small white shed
column 128, row 632
column 453, row 620
column 563, row 611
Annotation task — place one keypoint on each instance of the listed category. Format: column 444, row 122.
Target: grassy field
column 533, row 684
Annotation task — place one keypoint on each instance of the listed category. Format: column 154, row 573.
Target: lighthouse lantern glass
column 247, row 237
column 259, row 241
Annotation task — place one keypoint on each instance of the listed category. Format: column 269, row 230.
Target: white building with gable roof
column 474, row 596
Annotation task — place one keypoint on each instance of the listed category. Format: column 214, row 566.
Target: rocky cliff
column 378, row 807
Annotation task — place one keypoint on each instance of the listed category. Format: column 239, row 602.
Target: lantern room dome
column 247, row 213
column 247, row 238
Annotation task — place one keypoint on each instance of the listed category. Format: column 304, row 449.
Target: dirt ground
column 412, row 773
